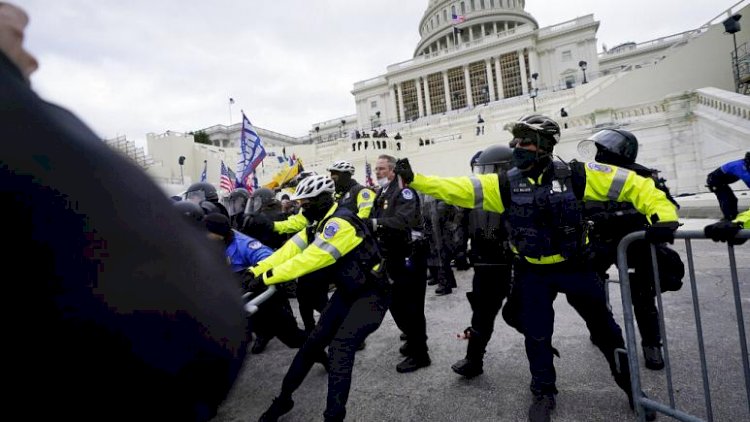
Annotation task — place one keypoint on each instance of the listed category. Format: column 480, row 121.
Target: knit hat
column 218, row 224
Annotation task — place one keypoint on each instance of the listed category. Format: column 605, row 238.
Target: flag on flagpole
column 252, row 151
column 225, row 181
column 458, row 18
column 203, row 174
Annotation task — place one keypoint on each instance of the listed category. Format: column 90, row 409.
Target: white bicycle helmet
column 314, row 186
column 341, row 166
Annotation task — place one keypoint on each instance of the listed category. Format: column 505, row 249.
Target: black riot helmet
column 201, row 191
column 237, row 201
column 261, row 197
column 494, row 159
column 209, row 207
column 192, row 211
column 615, row 146
column 537, row 129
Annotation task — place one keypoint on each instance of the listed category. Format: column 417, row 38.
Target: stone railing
column 731, row 103
column 583, row 20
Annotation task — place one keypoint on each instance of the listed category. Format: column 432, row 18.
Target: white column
column 500, row 92
column 428, row 106
column 534, row 66
column 471, row 33
column 524, row 79
column 420, row 104
column 467, row 86
column 490, row 83
column 506, row 26
column 446, row 88
column 494, row 28
column 402, row 114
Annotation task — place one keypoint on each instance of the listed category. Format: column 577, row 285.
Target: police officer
column 543, row 199
column 440, row 226
column 396, row 220
column 718, row 182
column 339, row 244
column 612, row 221
column 204, row 191
column 492, row 260
column 349, row 193
column 236, row 203
column 274, row 318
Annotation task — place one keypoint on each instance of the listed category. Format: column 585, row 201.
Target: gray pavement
column 587, row 391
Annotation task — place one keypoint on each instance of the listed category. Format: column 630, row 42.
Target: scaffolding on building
column 741, row 62
column 130, row 150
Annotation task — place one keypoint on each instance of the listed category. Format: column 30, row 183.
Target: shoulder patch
column 407, row 194
column 365, row 194
column 599, row 167
column 330, row 229
column 254, row 244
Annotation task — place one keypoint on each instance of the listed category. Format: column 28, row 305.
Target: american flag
column 458, row 18
column 225, row 181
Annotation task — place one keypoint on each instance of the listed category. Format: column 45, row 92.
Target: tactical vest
column 489, row 238
column 349, row 199
column 545, row 219
column 353, row 271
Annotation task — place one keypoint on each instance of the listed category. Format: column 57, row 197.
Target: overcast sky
column 138, row 66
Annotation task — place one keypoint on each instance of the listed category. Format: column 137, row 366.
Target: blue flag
column 251, row 149
column 203, row 174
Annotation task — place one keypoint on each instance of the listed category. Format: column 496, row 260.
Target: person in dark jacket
column 114, row 320
column 718, row 182
column 612, row 220
column 396, row 220
column 339, row 244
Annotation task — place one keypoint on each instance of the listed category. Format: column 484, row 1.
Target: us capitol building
column 481, row 64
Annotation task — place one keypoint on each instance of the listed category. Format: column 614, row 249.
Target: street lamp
column 535, row 90
column 732, row 26
column 341, row 131
column 582, row 64
column 181, row 161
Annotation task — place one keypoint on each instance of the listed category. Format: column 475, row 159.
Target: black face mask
column 317, row 208
column 523, row 158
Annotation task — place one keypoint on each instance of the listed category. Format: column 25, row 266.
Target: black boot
column 412, row 363
column 279, row 407
column 468, row 368
column 259, row 345
column 652, row 356
column 541, row 408
column 649, row 414
column 322, row 358
column 472, row 364
column 623, row 381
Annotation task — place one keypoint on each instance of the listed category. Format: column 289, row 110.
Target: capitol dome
column 475, row 19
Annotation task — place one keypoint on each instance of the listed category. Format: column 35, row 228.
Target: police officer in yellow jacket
column 339, row 245
column 542, row 201
column 350, row 194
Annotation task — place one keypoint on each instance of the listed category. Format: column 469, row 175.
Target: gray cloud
column 149, row 66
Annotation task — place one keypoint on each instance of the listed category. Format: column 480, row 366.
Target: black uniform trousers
column 642, row 291
column 539, row 286
column 409, row 289
column 344, row 324
column 312, row 295
column 275, row 318
column 489, row 288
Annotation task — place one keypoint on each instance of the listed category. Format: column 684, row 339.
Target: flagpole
column 230, row 112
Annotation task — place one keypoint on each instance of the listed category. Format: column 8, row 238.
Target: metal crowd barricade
column 670, row 409
column 252, row 305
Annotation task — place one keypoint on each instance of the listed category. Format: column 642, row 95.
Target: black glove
column 661, row 232
column 253, row 283
column 403, row 169
column 257, row 225
column 724, row 231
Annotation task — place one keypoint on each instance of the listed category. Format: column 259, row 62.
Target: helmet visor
column 196, row 196
column 236, row 205
column 587, row 149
